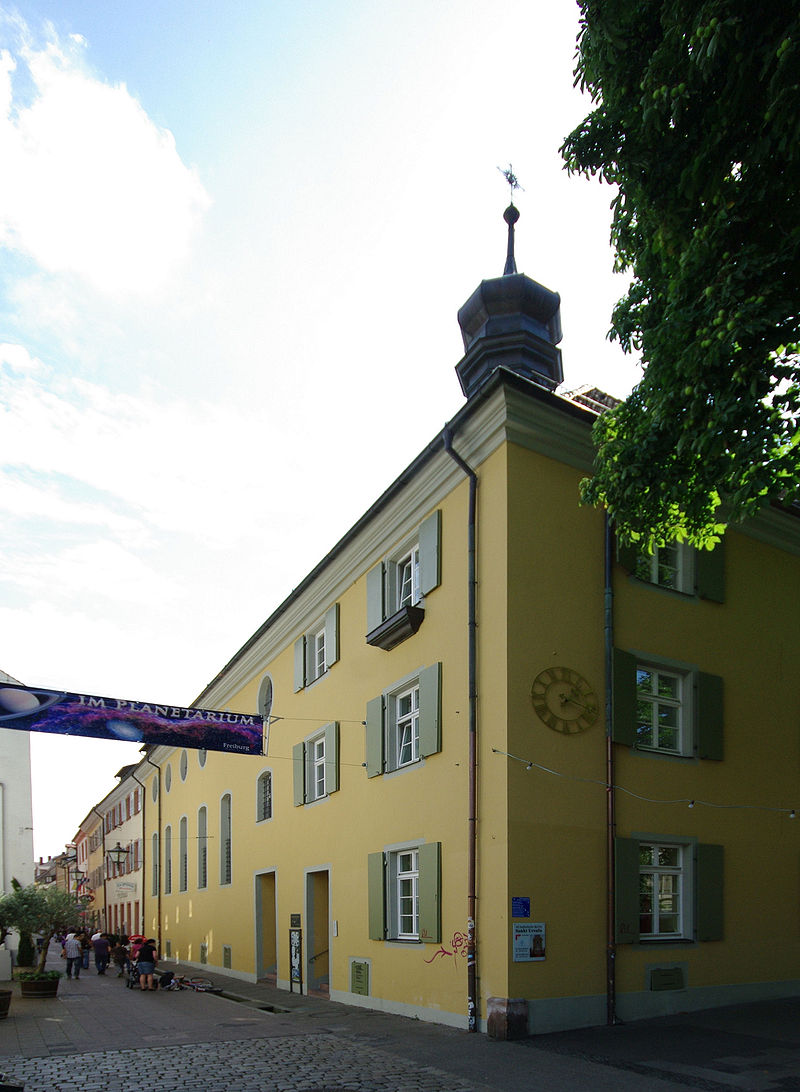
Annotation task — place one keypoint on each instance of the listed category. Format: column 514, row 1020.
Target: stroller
column 161, row 981
column 132, row 976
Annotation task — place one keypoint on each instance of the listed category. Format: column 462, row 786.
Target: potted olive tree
column 47, row 911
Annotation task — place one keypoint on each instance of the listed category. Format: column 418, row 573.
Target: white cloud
column 90, row 185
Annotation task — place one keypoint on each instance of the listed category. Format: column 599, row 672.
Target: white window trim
column 393, row 743
column 226, row 880
column 183, row 854
column 684, row 705
column 202, row 848
column 648, row 568
column 406, row 558
column 317, row 659
column 267, row 818
column 687, row 847
column 315, row 762
column 168, row 859
column 657, row 871
column 392, row 855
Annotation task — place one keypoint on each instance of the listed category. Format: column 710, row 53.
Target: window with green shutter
column 397, row 585
column 667, row 889
column 666, row 707
column 317, row 649
column 404, row 893
column 404, row 724
column 678, row 567
column 315, row 765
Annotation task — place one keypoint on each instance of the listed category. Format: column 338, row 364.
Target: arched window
column 202, row 848
column 155, row 865
column 225, row 836
column 265, row 697
column 183, row 852
column 264, row 797
column 167, row 860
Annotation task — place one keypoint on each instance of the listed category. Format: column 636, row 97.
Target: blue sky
column 233, row 242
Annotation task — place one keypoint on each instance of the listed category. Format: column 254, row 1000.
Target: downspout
column 611, row 818
column 472, row 959
column 105, row 868
column 144, row 847
column 158, row 863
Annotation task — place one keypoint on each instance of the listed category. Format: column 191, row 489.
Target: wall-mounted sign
column 520, row 907
column 31, row 709
column 359, row 977
column 529, row 942
column 295, row 959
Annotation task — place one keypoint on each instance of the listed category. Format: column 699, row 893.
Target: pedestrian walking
column 148, row 957
column 72, row 952
column 119, row 953
column 102, row 953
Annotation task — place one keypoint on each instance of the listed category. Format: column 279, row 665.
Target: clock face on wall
column 564, row 700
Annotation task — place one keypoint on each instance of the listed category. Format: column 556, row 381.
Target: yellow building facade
column 516, row 775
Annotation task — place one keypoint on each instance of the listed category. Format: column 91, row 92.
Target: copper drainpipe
column 140, row 925
column 105, row 882
column 472, row 957
column 611, row 818
column 158, row 863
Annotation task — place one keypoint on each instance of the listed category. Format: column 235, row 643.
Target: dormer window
column 397, row 586
column 408, row 594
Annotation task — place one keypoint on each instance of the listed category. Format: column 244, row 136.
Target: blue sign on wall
column 520, row 907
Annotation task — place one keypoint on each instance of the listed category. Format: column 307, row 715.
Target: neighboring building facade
column 89, row 843
column 122, row 827
column 16, row 806
column 511, row 767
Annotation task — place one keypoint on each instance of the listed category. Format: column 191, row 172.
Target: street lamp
column 118, row 855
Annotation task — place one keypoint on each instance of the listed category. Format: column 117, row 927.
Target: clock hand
column 574, row 701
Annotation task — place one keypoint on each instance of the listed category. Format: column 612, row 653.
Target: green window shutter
column 624, row 693
column 375, row 737
column 430, row 556
column 376, row 890
column 709, row 712
column 626, row 890
column 430, row 710
column 299, row 773
column 332, row 634
column 430, row 881
column 299, row 664
column 332, row 757
column 375, row 612
column 709, row 573
column 310, row 666
column 709, row 891
column 628, row 553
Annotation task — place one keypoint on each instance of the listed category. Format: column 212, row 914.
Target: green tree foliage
column 697, row 125
column 43, row 910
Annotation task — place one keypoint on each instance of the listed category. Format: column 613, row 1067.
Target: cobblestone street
column 286, row 1064
column 98, row 1036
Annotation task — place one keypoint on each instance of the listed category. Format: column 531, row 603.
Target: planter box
column 5, row 1001
column 47, row 987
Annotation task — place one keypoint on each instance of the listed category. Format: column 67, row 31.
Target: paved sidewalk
column 101, row 1036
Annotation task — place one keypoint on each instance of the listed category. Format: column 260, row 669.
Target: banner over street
column 31, row 709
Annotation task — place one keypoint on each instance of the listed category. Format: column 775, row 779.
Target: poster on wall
column 529, row 942
column 31, row 709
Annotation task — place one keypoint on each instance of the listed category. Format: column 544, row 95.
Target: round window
column 184, row 765
column 265, row 697
column 201, row 757
column 168, row 778
column 155, row 788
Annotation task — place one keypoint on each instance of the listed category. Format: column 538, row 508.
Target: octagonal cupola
column 510, row 322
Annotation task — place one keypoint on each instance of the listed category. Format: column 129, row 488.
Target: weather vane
column 511, row 178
